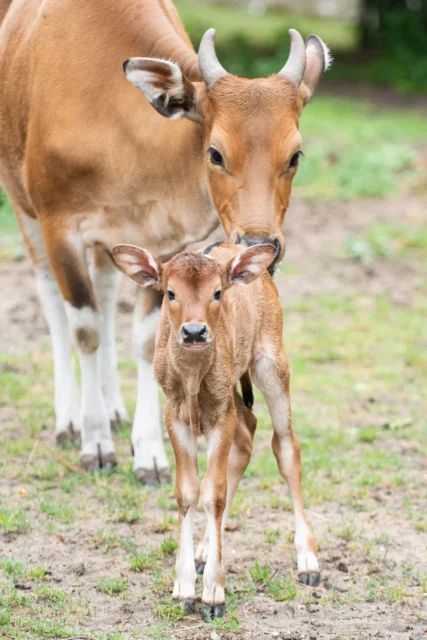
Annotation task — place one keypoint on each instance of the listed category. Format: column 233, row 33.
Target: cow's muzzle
column 250, row 242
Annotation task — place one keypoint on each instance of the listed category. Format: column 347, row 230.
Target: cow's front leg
column 271, row 375
column 106, row 280
column 150, row 463
column 214, row 496
column 187, row 495
column 68, row 262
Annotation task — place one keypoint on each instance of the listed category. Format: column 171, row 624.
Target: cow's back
column 65, row 104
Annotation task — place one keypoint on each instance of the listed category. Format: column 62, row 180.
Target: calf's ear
column 250, row 263
column 138, row 264
column 164, row 85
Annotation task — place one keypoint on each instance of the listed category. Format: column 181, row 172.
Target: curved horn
column 209, row 65
column 295, row 65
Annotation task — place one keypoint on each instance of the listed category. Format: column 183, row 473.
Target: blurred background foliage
column 379, row 41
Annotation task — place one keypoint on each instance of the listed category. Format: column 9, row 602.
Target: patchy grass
column 112, row 586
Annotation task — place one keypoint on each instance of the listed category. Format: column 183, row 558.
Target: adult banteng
column 89, row 162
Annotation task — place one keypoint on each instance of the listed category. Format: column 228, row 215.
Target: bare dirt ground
column 366, row 490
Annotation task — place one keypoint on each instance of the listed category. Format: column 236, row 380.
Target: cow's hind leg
column 150, row 463
column 271, row 375
column 106, row 280
column 67, row 257
column 67, row 394
column 238, row 460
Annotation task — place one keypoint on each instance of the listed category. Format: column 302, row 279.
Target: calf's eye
column 218, row 294
column 171, row 295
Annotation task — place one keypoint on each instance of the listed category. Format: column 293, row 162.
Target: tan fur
column 245, row 332
column 82, row 150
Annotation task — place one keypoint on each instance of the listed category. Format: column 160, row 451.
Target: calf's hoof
column 200, row 568
column 153, row 477
column 93, row 463
column 188, row 604
column 69, row 435
column 309, row 578
column 209, row 612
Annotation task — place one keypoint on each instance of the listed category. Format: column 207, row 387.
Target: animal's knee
column 214, row 495
column 85, row 328
column 187, row 495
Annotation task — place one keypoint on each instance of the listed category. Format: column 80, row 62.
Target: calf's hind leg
column 271, row 375
column 67, row 258
column 238, row 460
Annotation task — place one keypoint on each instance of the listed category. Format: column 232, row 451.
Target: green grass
column 13, row 520
column 353, row 151
column 58, row 510
column 112, row 586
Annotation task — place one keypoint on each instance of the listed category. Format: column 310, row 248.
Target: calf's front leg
column 271, row 375
column 238, row 460
column 187, row 495
column 214, row 496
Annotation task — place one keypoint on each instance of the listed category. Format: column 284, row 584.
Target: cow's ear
column 138, row 264
column 164, row 86
column 319, row 60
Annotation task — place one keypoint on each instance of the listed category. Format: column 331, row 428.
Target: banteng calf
column 211, row 335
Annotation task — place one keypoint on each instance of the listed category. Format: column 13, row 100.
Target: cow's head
column 252, row 144
column 194, row 286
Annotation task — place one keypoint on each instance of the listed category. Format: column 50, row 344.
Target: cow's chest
column 160, row 225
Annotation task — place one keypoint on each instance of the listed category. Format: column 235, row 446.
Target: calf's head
column 193, row 285
column 250, row 131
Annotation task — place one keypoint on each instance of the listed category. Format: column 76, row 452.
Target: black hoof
column 93, row 464
column 311, row 579
column 188, row 604
column 68, row 436
column 200, row 568
column 209, row 612
column 153, row 477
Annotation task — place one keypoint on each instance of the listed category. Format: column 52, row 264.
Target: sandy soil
column 315, row 235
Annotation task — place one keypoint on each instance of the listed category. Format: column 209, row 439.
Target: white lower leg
column 287, row 452
column 96, row 433
column 67, row 395
column 106, row 282
column 147, row 437
column 213, row 575
column 185, row 573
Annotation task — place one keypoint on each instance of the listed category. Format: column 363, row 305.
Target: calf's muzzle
column 194, row 334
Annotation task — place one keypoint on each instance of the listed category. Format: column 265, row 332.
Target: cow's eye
column 171, row 295
column 218, row 294
column 216, row 157
column 295, row 159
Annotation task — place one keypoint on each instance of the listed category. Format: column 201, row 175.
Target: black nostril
column 196, row 332
column 125, row 64
column 278, row 249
